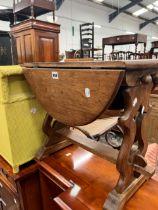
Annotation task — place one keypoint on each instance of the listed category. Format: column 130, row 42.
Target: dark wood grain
column 67, row 93
column 77, row 137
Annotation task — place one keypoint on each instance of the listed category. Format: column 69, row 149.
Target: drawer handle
column 1, row 200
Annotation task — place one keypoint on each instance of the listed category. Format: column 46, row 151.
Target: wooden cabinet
column 33, row 188
column 7, row 198
column 153, row 120
column 20, row 191
column 49, row 190
column 36, row 41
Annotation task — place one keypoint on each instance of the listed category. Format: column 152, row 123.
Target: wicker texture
column 21, row 118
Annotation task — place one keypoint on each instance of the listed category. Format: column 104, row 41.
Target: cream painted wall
column 75, row 12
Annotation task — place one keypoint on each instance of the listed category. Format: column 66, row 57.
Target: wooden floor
column 93, row 179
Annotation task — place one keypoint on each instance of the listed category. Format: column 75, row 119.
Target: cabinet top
column 35, row 24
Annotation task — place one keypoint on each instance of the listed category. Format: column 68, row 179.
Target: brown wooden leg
column 128, row 124
column 131, row 164
column 53, row 142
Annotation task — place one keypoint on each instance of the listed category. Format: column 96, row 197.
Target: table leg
column 131, row 164
column 53, row 142
column 136, row 45
column 103, row 51
column 144, row 47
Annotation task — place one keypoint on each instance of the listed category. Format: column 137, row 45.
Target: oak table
column 77, row 95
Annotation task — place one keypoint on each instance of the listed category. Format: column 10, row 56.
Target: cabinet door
column 19, row 46
column 24, row 47
column 47, row 49
column 49, row 190
column 8, row 200
column 29, row 189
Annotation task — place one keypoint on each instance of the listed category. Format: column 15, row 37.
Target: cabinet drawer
column 120, row 40
column 125, row 39
column 8, row 199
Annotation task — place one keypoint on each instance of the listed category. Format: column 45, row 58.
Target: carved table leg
column 131, row 164
column 53, row 142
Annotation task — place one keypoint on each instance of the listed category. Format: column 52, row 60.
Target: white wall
column 75, row 12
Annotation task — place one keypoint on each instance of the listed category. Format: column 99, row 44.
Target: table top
column 127, row 65
column 93, row 179
column 78, row 93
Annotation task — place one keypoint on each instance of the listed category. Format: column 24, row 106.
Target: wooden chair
column 87, row 40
